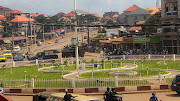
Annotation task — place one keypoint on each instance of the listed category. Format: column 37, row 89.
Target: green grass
column 104, row 74
column 31, row 72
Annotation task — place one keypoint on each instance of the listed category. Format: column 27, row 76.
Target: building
column 133, row 15
column 4, row 10
column 13, row 14
column 60, row 14
column 170, row 14
column 110, row 14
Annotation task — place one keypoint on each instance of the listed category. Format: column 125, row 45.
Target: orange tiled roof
column 117, row 39
column 105, row 41
column 107, row 18
column 34, row 15
column 132, row 8
column 15, row 11
column 97, row 15
column 155, row 11
column 135, row 28
column 115, row 16
column 64, row 18
column 21, row 19
column 2, row 16
column 69, row 14
column 140, row 22
column 60, row 13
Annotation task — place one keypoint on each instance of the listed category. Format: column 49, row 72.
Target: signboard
column 95, row 65
column 139, row 40
column 154, row 40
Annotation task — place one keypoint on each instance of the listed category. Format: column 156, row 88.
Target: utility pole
column 177, row 29
column 43, row 36
column 88, row 36
column 76, row 48
column 27, row 37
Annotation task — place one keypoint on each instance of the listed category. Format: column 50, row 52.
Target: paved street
column 164, row 96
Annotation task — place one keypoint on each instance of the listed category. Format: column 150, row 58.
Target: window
column 166, row 9
column 145, row 17
column 135, row 17
column 175, row 8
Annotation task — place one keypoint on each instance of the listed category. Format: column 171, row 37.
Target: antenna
column 157, row 3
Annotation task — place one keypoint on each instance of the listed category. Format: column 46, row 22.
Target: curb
column 126, row 89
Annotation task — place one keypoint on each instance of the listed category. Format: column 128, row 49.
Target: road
column 164, row 96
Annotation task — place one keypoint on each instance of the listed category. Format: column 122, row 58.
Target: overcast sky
column 52, row 7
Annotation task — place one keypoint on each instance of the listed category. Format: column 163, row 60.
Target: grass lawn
column 157, row 64
column 31, row 72
column 104, row 74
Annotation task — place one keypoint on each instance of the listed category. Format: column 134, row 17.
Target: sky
column 52, row 7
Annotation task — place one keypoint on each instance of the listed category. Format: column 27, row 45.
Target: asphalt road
column 164, row 96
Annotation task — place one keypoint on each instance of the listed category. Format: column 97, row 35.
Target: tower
column 157, row 3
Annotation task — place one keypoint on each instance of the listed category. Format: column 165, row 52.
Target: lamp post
column 76, row 48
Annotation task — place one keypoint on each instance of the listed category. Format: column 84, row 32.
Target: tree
column 154, row 19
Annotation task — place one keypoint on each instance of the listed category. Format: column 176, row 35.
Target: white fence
column 82, row 83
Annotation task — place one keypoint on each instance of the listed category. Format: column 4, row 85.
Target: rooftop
column 21, row 19
column 15, row 11
column 132, row 8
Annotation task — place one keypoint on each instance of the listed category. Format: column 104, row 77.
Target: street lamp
column 76, row 48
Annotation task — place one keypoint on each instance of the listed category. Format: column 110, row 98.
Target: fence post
column 97, row 59
column 124, row 57
column 13, row 64
column 73, row 83
column 37, row 62
column 149, row 56
column 160, row 78
column 61, row 60
column 32, row 82
column 174, row 57
column 116, row 81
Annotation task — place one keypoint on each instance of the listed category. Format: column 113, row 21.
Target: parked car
column 18, row 57
column 1, row 90
column 3, row 58
column 16, row 48
column 7, row 53
column 176, row 84
column 46, row 54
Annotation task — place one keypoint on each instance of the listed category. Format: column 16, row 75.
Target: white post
column 116, row 81
column 124, row 57
column 14, row 64
column 76, row 48
column 73, row 83
column 174, row 57
column 97, row 59
column 32, row 82
column 160, row 78
column 61, row 60
column 72, row 60
column 149, row 56
column 37, row 62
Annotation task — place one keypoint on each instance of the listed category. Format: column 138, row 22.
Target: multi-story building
column 170, row 14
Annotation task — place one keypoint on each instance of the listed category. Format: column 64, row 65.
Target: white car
column 1, row 90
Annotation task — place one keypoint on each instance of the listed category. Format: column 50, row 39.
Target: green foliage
column 154, row 19
column 66, row 62
column 3, row 67
column 92, row 60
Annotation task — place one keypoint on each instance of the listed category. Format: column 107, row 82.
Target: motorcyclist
column 153, row 98
column 113, row 97
column 67, row 97
column 107, row 94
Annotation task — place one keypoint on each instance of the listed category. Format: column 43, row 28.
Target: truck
column 46, row 54
column 69, row 51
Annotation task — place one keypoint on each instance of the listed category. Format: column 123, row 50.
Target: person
column 67, row 97
column 153, row 98
column 106, row 94
column 112, row 95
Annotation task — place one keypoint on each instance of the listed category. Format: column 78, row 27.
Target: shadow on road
column 173, row 95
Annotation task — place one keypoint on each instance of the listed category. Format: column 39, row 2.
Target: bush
column 66, row 62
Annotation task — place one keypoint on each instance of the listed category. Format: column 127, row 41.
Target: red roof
column 64, row 18
column 15, row 12
column 107, row 18
column 34, row 15
column 69, row 14
column 97, row 15
column 140, row 22
column 21, row 19
column 135, row 28
column 2, row 18
column 132, row 8
column 61, row 13
column 15, row 38
column 115, row 16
